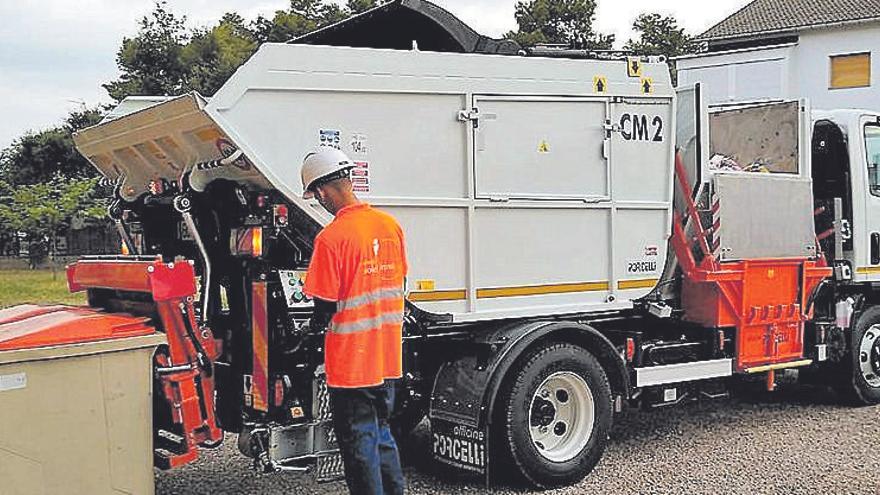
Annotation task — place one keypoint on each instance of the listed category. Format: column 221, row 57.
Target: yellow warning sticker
column 634, row 66
column 600, row 84
column 647, row 85
column 544, row 146
column 427, row 284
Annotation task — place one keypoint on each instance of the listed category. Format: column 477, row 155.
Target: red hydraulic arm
column 185, row 371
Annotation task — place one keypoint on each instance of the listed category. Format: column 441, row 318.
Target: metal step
column 171, row 437
column 683, row 372
column 329, row 468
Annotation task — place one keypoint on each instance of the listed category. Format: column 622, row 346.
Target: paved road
column 796, row 441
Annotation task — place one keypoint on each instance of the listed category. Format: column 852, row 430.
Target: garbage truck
column 581, row 237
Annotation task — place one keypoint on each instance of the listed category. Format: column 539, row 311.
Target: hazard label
column 14, row 381
column 544, row 146
column 360, row 177
column 600, row 84
column 647, row 85
column 634, row 66
column 330, row 137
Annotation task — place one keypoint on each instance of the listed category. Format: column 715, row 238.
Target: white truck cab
column 846, row 157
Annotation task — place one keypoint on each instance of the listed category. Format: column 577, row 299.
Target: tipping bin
column 75, row 401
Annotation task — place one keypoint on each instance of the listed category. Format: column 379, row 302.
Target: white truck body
column 523, row 189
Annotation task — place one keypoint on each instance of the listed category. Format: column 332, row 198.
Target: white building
column 824, row 50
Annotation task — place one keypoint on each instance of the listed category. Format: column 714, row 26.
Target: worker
column 356, row 278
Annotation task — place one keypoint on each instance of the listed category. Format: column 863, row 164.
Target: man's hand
column 324, row 311
column 305, row 328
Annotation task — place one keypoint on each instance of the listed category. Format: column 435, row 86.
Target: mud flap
column 461, row 446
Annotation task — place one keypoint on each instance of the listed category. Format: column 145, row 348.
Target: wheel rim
column 869, row 356
column 561, row 416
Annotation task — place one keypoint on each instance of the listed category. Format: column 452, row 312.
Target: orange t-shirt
column 359, row 262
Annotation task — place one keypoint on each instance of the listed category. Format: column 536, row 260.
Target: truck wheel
column 861, row 374
column 556, row 415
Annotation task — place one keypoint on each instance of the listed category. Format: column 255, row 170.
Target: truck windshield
column 872, row 146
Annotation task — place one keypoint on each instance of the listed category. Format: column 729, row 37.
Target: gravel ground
column 796, row 441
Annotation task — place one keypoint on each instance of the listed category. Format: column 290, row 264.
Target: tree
column 166, row 59
column 38, row 156
column 358, row 6
column 567, row 22
column 150, row 62
column 302, row 17
column 212, row 55
column 659, row 35
column 45, row 210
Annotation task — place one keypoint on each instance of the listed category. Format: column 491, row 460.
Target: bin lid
column 30, row 326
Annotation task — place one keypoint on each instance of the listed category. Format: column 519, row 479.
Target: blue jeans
column 369, row 453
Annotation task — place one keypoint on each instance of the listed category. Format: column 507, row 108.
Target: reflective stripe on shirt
column 366, row 324
column 369, row 298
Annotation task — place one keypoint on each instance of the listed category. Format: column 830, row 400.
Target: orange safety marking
column 260, row 340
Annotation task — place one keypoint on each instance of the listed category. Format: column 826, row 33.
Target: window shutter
column 851, row 71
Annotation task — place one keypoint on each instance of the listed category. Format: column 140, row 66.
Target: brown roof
column 767, row 16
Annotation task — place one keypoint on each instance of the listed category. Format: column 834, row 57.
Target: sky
column 54, row 54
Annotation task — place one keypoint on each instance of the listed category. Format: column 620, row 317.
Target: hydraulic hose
column 114, row 211
column 183, row 204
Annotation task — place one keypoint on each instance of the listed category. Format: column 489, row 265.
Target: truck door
column 641, row 152
column 541, row 184
column 542, row 148
column 866, row 152
column 832, row 190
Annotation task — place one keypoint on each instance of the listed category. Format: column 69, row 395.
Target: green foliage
column 566, row 22
column 301, row 17
column 659, row 35
column 46, row 209
column 38, row 156
column 151, row 62
column 166, row 59
column 212, row 55
column 358, row 6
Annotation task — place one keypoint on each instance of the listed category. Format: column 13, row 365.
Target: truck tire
column 555, row 415
column 860, row 380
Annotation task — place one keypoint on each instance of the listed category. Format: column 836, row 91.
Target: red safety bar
column 185, row 371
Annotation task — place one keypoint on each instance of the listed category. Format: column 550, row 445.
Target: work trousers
column 369, row 452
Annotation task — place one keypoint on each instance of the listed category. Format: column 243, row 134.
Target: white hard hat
column 323, row 163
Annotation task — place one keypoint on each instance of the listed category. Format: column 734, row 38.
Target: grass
column 36, row 287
